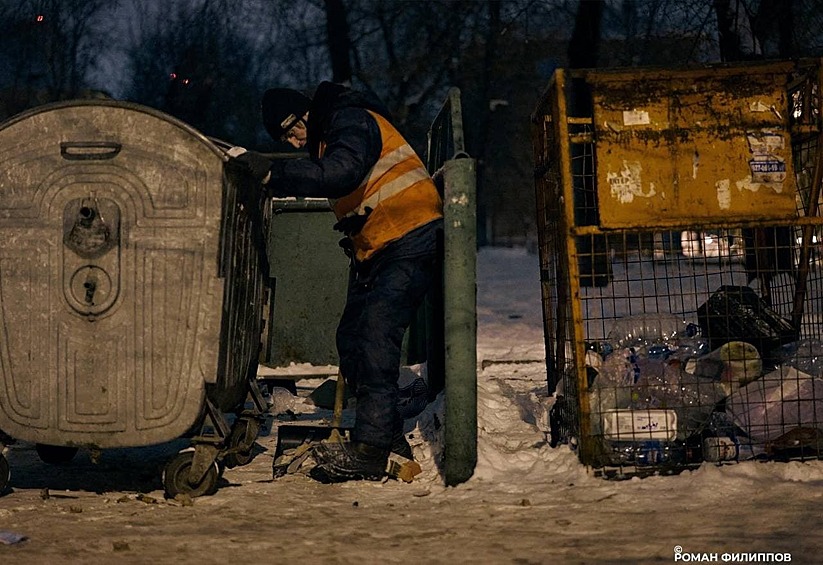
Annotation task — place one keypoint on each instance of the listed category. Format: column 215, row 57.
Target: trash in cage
column 723, row 448
column 650, row 388
column 736, row 313
column 723, row 440
column 727, row 252
column 805, row 355
column 648, row 453
column 640, row 424
column 777, row 403
column 733, row 364
column 643, row 329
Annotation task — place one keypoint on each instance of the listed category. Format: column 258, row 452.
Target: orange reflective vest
column 399, row 191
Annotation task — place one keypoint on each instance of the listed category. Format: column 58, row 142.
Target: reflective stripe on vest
column 398, row 190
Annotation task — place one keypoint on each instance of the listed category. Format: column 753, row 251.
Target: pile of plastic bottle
column 660, row 396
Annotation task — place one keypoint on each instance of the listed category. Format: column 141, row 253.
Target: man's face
column 296, row 136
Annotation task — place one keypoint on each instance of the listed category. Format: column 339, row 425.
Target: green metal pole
column 460, row 303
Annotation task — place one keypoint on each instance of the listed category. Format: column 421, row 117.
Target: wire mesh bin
column 680, row 255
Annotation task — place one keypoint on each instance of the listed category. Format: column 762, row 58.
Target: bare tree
column 208, row 61
column 774, row 23
column 197, row 64
column 585, row 41
column 292, row 43
column 49, row 47
column 737, row 41
column 406, row 51
column 655, row 32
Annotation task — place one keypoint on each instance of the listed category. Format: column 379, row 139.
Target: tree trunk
column 484, row 133
column 727, row 37
column 777, row 16
column 737, row 39
column 584, row 45
column 337, row 29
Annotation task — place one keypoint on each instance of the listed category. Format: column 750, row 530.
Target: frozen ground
column 526, row 503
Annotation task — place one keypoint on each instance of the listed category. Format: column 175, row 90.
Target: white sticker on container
column 627, row 184
column 724, row 194
column 636, row 118
column 758, row 106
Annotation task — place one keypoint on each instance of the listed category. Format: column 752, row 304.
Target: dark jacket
column 340, row 124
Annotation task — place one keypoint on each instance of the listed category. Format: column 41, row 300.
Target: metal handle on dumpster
column 89, row 150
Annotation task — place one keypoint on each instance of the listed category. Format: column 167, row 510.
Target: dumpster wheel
column 176, row 477
column 55, row 454
column 5, row 473
column 241, row 441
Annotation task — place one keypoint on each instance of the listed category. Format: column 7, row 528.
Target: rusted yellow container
column 701, row 144
column 679, row 226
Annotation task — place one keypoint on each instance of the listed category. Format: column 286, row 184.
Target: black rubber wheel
column 55, row 454
column 237, row 439
column 5, row 474
column 176, row 477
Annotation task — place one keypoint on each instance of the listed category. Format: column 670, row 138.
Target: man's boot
column 349, row 461
column 400, row 446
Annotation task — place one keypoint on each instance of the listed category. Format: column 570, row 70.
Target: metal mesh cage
column 695, row 335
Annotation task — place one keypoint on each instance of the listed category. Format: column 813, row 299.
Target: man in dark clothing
column 389, row 209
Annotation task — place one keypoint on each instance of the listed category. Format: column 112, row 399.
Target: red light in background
column 39, row 18
column 173, row 76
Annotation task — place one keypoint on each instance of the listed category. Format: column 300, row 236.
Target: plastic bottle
column 649, row 453
column 611, row 388
column 717, row 449
column 616, row 369
column 645, row 329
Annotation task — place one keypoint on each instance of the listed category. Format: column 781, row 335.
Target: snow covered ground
column 526, row 503
column 750, row 512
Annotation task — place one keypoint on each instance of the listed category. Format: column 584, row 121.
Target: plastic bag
column 778, row 402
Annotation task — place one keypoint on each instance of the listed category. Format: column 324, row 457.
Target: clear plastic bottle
column 611, row 388
column 649, row 453
column 644, row 329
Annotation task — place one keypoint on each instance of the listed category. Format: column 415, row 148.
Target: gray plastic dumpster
column 131, row 294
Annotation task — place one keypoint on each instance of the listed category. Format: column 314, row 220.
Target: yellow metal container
column 708, row 144
column 678, row 216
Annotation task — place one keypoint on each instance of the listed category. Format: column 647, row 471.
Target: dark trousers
column 383, row 297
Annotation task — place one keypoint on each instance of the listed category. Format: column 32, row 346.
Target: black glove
column 352, row 225
column 255, row 164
